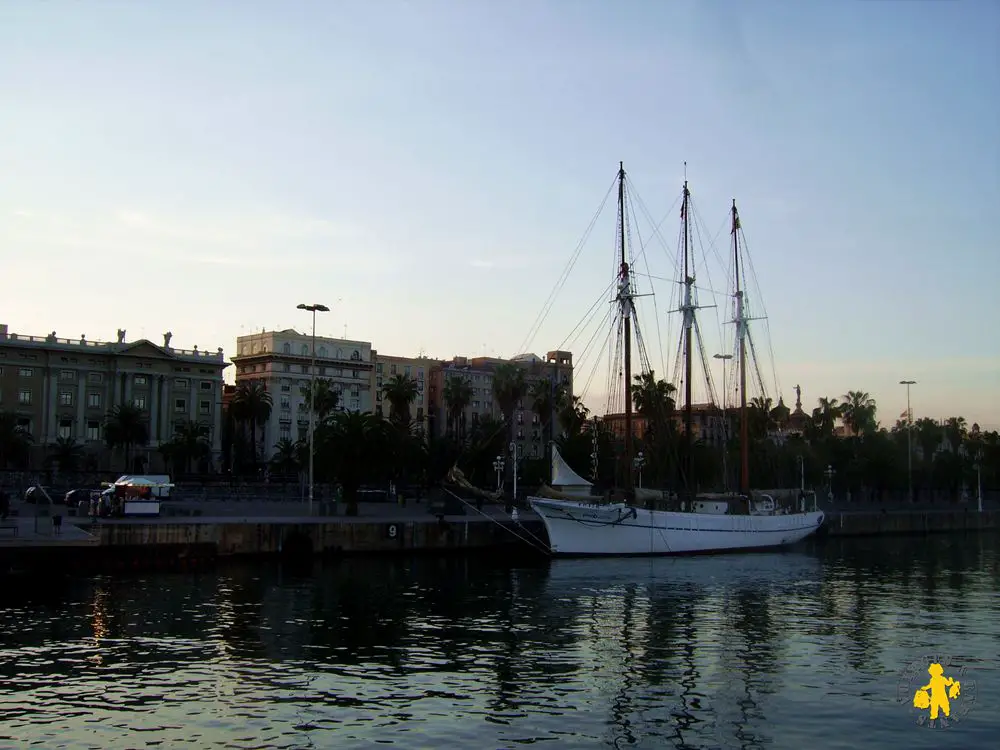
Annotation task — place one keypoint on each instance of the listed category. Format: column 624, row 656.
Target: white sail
column 563, row 477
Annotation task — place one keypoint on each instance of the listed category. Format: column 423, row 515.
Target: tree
column 400, row 391
column 858, row 413
column 509, row 388
column 15, row 442
column 457, row 396
column 252, row 406
column 327, row 398
column 189, row 444
column 66, row 453
column 125, row 428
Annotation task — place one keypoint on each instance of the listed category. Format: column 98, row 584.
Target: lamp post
column 830, row 471
column 498, row 468
column 725, row 421
column 314, row 308
column 909, row 437
column 513, row 459
column 979, row 480
column 639, row 461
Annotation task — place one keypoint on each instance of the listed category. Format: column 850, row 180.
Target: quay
column 202, row 530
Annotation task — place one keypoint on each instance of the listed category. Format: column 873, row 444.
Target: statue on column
column 121, row 335
column 166, row 339
column 798, row 397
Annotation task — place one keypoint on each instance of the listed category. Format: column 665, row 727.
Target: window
column 204, row 407
column 95, row 377
column 322, row 352
column 180, row 405
column 65, row 398
column 420, row 413
column 139, row 402
column 355, row 404
column 140, row 380
column 24, row 398
column 420, row 373
column 392, row 369
column 285, row 432
column 93, row 430
column 286, row 404
column 94, row 400
column 181, row 382
column 340, row 353
column 407, row 370
column 356, row 355
column 286, row 348
column 206, row 385
column 286, row 368
column 67, row 374
column 305, row 350
column 26, row 372
column 66, row 428
column 24, row 424
column 302, row 432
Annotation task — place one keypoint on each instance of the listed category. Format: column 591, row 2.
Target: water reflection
column 733, row 651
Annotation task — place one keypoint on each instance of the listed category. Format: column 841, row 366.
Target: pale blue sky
column 201, row 167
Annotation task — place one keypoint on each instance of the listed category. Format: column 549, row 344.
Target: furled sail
column 563, row 477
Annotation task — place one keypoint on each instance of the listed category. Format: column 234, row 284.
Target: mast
column 741, row 335
column 625, row 301
column 689, row 309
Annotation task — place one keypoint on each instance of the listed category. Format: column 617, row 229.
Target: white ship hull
column 580, row 528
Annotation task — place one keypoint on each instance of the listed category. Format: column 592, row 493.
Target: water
column 790, row 650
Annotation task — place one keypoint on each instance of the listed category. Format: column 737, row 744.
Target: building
column 418, row 369
column 707, row 424
column 478, row 373
column 64, row 389
column 281, row 360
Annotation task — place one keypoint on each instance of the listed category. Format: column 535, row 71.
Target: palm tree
column 400, row 391
column 327, row 398
column 125, row 427
column 509, row 387
column 286, row 456
column 66, row 453
column 858, row 412
column 15, row 442
column 352, row 444
column 956, row 431
column 252, row 406
column 189, row 443
column 457, row 396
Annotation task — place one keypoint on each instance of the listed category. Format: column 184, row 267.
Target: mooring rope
column 533, row 542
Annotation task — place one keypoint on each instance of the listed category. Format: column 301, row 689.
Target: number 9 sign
column 393, row 531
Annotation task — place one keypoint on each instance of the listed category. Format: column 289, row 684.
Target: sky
column 427, row 169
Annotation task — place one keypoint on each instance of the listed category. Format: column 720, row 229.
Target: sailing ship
column 579, row 525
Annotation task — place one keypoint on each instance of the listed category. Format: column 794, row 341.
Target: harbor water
column 822, row 647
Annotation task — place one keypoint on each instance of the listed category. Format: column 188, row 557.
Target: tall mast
column 625, row 301
column 741, row 336
column 689, row 309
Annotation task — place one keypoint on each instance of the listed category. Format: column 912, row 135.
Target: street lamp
column 639, row 461
column 513, row 459
column 314, row 308
column 909, row 436
column 979, row 480
column 725, row 421
column 830, row 471
column 498, row 468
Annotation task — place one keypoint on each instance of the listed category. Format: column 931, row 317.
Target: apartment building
column 417, row 368
column 64, row 388
column 478, row 373
column 707, row 424
column 281, row 361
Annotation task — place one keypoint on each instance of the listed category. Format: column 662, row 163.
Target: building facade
column 478, row 374
column 417, row 368
column 708, row 424
column 61, row 388
column 281, row 361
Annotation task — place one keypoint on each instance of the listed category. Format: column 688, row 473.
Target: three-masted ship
column 576, row 520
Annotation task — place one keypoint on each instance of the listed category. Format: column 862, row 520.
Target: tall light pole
column 315, row 308
column 909, row 436
column 725, row 422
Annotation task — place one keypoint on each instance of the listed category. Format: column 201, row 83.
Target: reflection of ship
column 579, row 525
